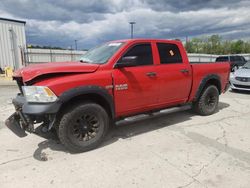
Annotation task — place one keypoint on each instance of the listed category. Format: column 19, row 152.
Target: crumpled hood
column 242, row 73
column 32, row 71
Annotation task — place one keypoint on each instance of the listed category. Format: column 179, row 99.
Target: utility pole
column 75, row 44
column 71, row 54
column 132, row 29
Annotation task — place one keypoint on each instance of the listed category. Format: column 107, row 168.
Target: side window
column 238, row 58
column 232, row 58
column 222, row 59
column 143, row 52
column 169, row 53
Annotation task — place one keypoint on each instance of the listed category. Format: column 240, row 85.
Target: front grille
column 243, row 79
column 242, row 86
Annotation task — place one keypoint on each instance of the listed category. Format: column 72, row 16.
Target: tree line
column 45, row 47
column 52, row 47
column 216, row 45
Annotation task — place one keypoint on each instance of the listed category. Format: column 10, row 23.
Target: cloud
column 92, row 22
column 187, row 5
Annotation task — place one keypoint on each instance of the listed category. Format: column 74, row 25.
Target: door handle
column 184, row 70
column 151, row 74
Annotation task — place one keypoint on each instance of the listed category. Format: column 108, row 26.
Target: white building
column 12, row 43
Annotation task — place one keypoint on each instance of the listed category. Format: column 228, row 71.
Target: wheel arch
column 211, row 79
column 95, row 94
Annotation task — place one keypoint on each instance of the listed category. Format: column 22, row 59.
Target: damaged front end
column 28, row 112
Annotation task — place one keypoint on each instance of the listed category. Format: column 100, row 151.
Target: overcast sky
column 91, row 22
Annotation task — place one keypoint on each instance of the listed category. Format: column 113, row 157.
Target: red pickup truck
column 80, row 100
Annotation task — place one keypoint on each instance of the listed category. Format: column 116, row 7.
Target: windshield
column 101, row 54
column 246, row 66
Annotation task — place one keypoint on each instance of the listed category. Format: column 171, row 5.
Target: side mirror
column 128, row 61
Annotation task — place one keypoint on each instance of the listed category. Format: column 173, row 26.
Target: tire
column 208, row 101
column 83, row 127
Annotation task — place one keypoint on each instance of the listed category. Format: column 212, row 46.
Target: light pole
column 132, row 28
column 76, row 44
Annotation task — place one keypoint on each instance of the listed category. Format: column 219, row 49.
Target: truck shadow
column 125, row 129
column 147, row 123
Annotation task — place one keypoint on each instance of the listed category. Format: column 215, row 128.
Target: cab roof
column 146, row 40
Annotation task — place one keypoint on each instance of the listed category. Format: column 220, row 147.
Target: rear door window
column 238, row 58
column 169, row 53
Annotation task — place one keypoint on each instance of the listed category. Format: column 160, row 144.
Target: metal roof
column 12, row 20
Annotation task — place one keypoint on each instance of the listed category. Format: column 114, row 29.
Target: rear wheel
column 83, row 127
column 208, row 101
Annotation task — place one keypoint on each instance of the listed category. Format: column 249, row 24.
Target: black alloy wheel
column 83, row 127
column 207, row 103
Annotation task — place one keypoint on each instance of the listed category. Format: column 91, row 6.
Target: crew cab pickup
column 81, row 100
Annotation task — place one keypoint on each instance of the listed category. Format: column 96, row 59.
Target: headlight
column 39, row 94
column 232, row 75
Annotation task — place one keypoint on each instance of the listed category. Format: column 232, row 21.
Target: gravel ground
column 169, row 149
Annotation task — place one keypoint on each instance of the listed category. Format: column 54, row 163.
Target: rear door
column 136, row 87
column 174, row 72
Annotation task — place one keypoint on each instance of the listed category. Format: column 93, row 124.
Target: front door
column 136, row 87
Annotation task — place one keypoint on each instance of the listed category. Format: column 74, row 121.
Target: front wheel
column 83, row 127
column 208, row 101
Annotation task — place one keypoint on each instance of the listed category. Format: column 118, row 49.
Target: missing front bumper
column 28, row 114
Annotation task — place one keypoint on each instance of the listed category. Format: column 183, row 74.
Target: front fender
column 91, row 89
